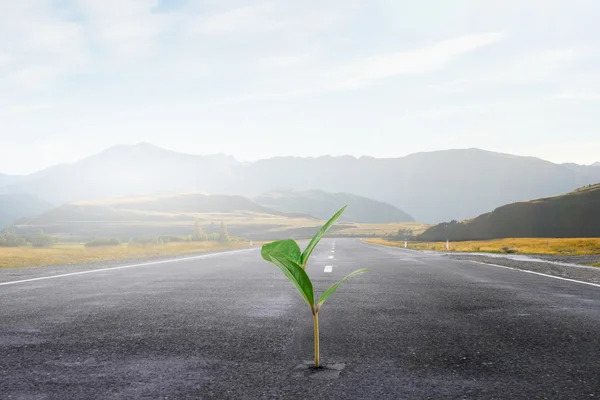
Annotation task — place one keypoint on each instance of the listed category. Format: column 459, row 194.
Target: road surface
column 418, row 326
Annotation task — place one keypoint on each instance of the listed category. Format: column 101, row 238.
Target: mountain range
column 431, row 187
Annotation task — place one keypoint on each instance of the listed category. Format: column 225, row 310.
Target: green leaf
column 315, row 240
column 296, row 274
column 331, row 289
column 282, row 249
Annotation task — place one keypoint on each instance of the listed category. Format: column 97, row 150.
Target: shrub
column 12, row 240
column 41, row 240
column 508, row 250
column 223, row 235
column 98, row 242
column 199, row 233
column 170, row 239
column 145, row 240
column 213, row 236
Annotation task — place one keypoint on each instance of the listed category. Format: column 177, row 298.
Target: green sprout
column 286, row 255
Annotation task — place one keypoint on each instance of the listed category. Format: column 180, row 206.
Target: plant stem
column 316, row 325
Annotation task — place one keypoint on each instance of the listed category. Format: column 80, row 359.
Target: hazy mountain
column 432, row 187
column 596, row 164
column 9, row 179
column 323, row 205
column 576, row 214
column 128, row 170
column 15, row 206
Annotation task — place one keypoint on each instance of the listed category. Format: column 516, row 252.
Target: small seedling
column 292, row 262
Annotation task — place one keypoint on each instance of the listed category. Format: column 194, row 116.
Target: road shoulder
column 25, row 273
column 576, row 272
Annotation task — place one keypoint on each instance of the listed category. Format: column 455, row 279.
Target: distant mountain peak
column 596, row 164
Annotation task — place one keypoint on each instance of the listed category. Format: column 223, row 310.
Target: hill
column 177, row 214
column 148, row 216
column 160, row 207
column 323, row 205
column 15, row 206
column 575, row 214
column 431, row 187
column 596, row 164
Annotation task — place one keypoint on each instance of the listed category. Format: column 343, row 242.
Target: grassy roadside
column 551, row 246
column 73, row 253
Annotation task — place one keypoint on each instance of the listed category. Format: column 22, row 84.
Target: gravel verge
column 583, row 260
column 556, row 265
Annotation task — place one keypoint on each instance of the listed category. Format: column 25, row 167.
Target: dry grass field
column 74, row 253
column 569, row 246
column 279, row 227
column 244, row 224
column 380, row 229
column 146, row 219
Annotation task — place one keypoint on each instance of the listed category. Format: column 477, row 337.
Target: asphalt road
column 418, row 326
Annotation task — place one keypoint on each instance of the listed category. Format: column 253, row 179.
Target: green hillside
column 322, row 204
column 575, row 214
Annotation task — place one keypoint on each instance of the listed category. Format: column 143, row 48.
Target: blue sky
column 257, row 79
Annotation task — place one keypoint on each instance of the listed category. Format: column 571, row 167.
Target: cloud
column 126, row 28
column 38, row 45
column 430, row 58
column 365, row 71
column 36, row 76
column 583, row 96
column 541, row 67
column 579, row 87
column 282, row 61
column 261, row 16
column 270, row 15
column 45, row 42
column 27, row 108
column 4, row 60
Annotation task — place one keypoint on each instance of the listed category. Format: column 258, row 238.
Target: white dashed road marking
column 328, row 268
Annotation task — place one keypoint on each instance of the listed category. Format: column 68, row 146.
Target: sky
column 258, row 79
